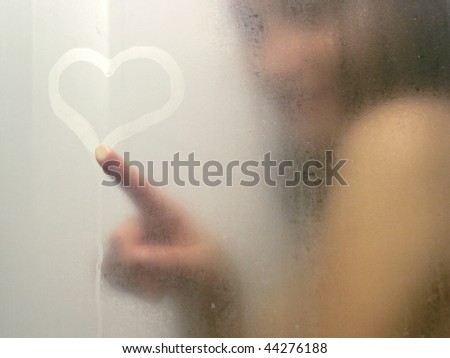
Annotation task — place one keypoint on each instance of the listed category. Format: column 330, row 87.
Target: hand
column 161, row 249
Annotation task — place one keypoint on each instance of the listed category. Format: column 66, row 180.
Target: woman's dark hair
column 388, row 46
column 394, row 46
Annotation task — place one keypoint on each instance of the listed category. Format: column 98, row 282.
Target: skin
column 298, row 68
column 165, row 250
column 382, row 237
column 385, row 235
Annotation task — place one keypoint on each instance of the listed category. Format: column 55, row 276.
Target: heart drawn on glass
column 81, row 126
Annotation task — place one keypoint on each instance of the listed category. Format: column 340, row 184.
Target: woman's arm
column 385, row 233
column 165, row 249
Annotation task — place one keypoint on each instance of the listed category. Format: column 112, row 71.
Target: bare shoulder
column 407, row 139
column 401, row 147
column 402, row 126
column 386, row 233
column 398, row 170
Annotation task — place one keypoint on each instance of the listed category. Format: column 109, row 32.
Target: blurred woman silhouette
column 370, row 81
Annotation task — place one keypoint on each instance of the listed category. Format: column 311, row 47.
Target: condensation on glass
column 330, row 121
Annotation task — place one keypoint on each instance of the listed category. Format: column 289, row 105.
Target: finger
column 127, row 253
column 142, row 282
column 145, row 196
column 177, row 260
column 130, row 249
column 131, row 231
column 122, row 270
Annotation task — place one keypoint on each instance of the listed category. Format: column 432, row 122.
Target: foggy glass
column 312, row 82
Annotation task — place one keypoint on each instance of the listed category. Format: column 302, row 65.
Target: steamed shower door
column 76, row 73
